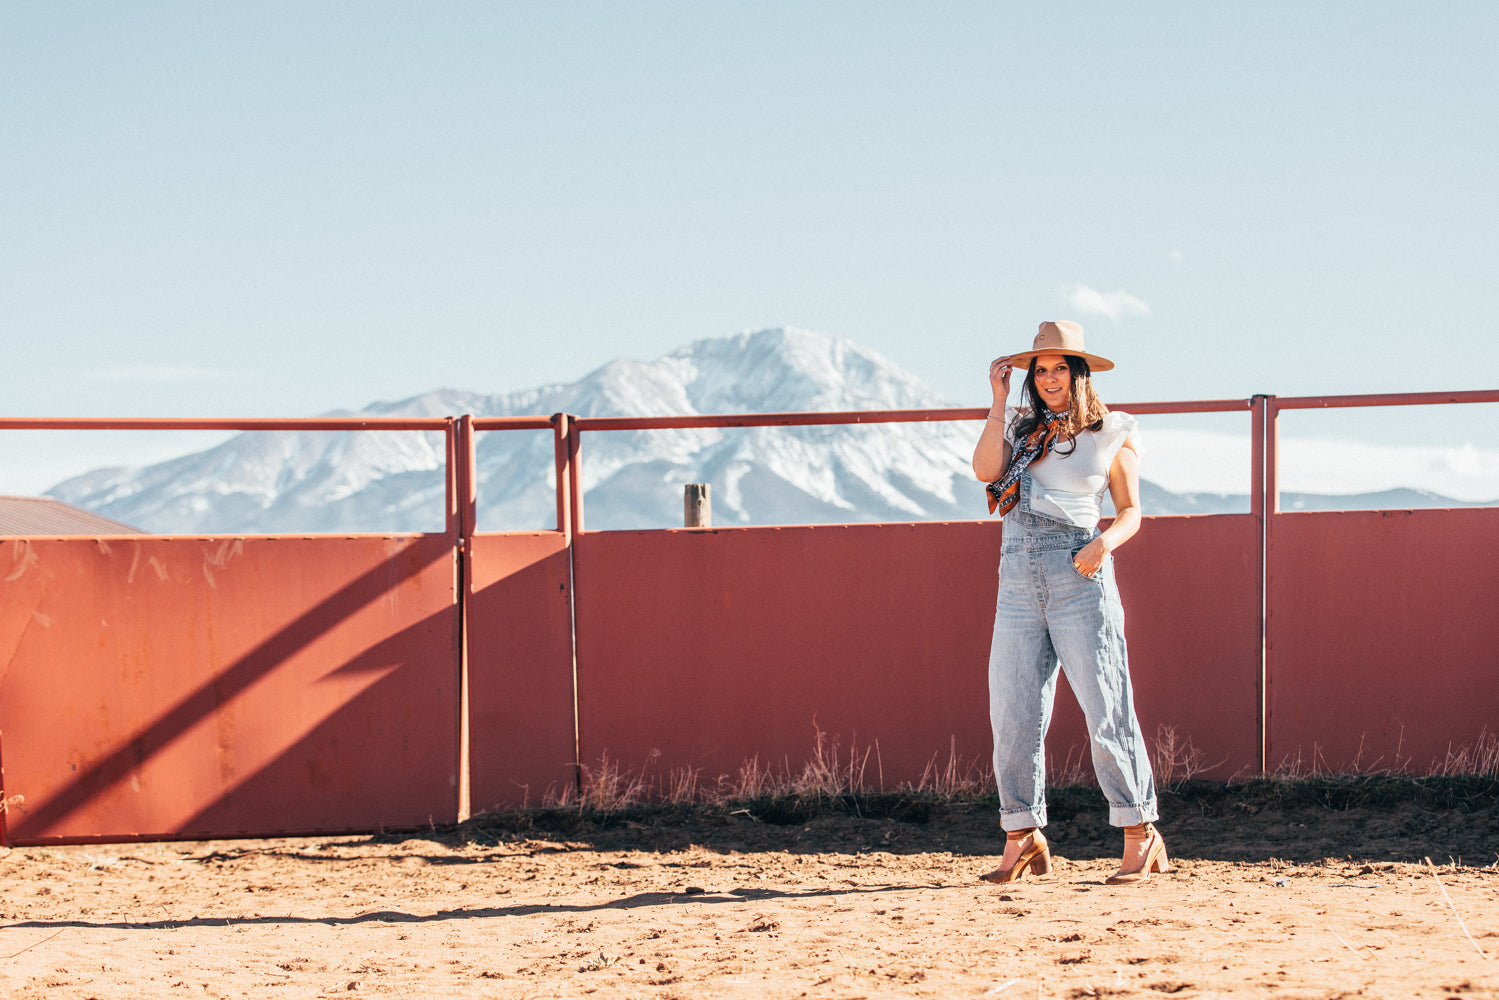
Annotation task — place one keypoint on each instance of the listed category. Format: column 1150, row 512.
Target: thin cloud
column 1114, row 305
column 161, row 373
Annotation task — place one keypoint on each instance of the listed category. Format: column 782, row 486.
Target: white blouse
column 1070, row 487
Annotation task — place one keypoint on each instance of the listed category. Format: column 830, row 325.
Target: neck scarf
column 1004, row 492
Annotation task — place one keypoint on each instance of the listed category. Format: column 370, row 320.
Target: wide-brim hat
column 1060, row 337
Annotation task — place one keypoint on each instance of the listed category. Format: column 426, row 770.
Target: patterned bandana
column 1004, row 492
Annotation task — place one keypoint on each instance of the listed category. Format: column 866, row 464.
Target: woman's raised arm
column 991, row 456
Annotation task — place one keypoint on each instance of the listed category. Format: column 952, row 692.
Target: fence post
column 1257, row 509
column 1272, row 514
column 570, row 523
column 1264, row 503
column 697, row 506
column 562, row 448
column 467, row 510
column 574, row 473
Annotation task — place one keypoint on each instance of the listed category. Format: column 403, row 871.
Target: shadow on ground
column 1364, row 817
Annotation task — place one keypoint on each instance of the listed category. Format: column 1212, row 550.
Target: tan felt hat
column 1060, row 337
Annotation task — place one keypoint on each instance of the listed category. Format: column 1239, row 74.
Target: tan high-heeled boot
column 1035, row 858
column 1154, row 859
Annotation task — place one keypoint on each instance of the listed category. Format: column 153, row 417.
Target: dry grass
column 602, row 788
column 830, row 774
column 1311, row 764
column 681, row 786
column 1476, row 759
column 754, row 781
column 1175, row 759
column 1075, row 770
column 954, row 778
column 827, row 773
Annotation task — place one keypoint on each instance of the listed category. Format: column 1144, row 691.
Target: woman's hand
column 999, row 379
column 1089, row 559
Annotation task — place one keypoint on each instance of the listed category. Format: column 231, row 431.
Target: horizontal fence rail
column 1386, row 399
column 444, row 425
column 819, row 417
column 434, row 675
column 579, row 425
column 225, row 424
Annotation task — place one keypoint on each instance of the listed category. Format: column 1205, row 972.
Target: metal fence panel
column 173, row 687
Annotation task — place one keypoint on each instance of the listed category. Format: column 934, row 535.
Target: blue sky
column 278, row 209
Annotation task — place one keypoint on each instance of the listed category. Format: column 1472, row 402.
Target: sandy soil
column 1263, row 899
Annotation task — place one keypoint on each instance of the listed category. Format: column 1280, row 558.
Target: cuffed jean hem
column 1133, row 814
column 1022, row 819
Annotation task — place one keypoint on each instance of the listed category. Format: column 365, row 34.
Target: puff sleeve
column 1117, row 428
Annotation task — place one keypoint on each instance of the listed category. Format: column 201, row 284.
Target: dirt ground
column 1323, row 893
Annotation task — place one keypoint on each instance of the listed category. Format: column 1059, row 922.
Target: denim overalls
column 1048, row 611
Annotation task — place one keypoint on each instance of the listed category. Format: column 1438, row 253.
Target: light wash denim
column 1048, row 611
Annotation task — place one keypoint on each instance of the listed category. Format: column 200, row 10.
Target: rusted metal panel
column 1381, row 637
column 173, row 687
column 703, row 649
column 520, row 669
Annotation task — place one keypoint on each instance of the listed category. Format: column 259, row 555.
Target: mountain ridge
column 345, row 481
column 274, row 481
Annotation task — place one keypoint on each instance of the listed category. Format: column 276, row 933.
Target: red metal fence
column 1381, row 635
column 172, row 687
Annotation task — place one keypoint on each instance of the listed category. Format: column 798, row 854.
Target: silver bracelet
column 997, row 420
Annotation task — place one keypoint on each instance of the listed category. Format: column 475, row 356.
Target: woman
column 1047, row 463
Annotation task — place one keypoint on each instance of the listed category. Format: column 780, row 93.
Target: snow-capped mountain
column 388, row 481
column 273, row 481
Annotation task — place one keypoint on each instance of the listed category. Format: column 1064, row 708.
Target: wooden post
column 697, row 506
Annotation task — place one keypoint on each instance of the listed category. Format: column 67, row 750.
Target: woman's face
column 1054, row 380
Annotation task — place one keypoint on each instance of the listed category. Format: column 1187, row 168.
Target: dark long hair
column 1086, row 412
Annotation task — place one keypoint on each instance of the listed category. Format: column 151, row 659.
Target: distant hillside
column 1156, row 500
